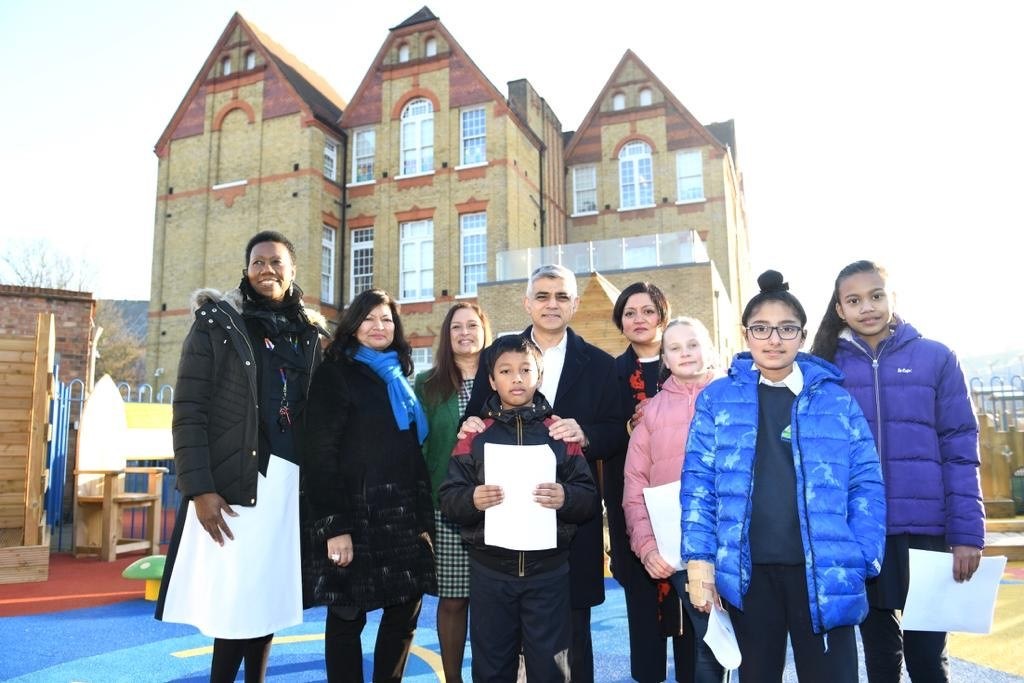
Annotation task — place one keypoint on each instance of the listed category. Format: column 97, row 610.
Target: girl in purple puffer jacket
column 914, row 396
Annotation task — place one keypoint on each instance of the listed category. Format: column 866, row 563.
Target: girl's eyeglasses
column 786, row 332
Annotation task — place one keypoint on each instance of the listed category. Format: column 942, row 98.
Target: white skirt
column 251, row 586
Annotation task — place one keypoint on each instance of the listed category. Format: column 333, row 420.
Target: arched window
column 225, row 66
column 645, row 97
column 403, row 53
column 636, row 178
column 418, row 137
column 431, row 47
column 250, row 60
column 618, row 101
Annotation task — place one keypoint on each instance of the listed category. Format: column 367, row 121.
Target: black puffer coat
column 365, row 477
column 216, row 415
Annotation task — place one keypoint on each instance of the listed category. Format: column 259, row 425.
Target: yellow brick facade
column 245, row 152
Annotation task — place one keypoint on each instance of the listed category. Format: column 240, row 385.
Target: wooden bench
column 99, row 519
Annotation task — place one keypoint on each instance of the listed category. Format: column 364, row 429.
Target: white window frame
column 417, row 138
column 618, row 101
column 361, row 155
column 330, row 159
column 250, row 60
column 403, row 52
column 225, row 66
column 582, row 186
column 646, row 97
column 475, row 140
column 472, row 252
column 422, row 359
column 689, row 176
column 635, row 164
column 430, row 47
column 416, row 260
column 328, row 240
column 361, row 269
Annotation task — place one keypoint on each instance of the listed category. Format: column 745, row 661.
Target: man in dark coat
column 580, row 377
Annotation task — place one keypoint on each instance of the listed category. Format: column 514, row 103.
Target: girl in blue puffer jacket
column 782, row 500
column 915, row 398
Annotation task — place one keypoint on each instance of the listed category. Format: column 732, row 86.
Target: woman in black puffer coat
column 233, row 563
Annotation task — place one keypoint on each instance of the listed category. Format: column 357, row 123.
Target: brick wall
column 73, row 322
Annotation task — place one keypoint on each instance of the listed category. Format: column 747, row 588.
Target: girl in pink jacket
column 655, row 457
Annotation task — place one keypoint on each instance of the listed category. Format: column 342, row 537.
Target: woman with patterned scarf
column 233, row 565
column 368, row 487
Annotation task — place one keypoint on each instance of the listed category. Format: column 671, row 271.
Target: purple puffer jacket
column 915, row 398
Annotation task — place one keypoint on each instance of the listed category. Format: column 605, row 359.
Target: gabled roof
column 312, row 92
column 671, row 103
column 326, row 103
column 360, row 108
column 423, row 15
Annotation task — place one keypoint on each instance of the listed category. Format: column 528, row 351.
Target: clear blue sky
column 884, row 130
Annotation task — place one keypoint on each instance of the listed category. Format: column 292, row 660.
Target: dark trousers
column 775, row 605
column 647, row 662
column 706, row 668
column 886, row 647
column 509, row 614
column 343, row 652
column 581, row 652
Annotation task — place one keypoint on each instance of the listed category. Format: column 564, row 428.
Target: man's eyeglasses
column 786, row 332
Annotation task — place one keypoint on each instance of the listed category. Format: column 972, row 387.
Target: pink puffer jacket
column 655, row 455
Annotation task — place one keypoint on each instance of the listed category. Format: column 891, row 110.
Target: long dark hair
column 826, row 340
column 774, row 288
column 345, row 343
column 651, row 290
column 444, row 379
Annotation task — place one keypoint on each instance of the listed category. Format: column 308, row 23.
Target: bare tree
column 122, row 346
column 40, row 263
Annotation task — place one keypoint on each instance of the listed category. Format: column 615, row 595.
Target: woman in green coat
column 444, row 391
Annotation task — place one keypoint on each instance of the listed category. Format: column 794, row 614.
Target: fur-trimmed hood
column 233, row 297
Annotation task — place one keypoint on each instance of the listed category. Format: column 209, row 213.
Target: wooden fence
column 26, row 387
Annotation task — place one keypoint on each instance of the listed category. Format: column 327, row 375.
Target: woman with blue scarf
column 368, row 546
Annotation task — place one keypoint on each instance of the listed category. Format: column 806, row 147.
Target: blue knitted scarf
column 404, row 403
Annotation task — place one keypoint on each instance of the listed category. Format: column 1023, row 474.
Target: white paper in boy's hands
column 721, row 638
column 666, row 515
column 519, row 522
column 935, row 602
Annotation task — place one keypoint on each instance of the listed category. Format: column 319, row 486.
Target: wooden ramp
column 26, row 387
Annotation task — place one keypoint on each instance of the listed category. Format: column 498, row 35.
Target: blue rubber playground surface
column 122, row 642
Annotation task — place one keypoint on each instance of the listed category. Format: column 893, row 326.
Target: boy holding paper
column 518, row 596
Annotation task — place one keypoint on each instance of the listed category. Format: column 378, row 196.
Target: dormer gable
column 633, row 91
column 244, row 55
column 418, row 45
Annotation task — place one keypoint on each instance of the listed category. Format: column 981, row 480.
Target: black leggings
column 228, row 655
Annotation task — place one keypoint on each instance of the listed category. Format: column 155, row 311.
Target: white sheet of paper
column 666, row 515
column 519, row 523
column 936, row 602
column 721, row 638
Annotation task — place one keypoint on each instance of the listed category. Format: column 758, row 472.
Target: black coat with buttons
column 216, row 401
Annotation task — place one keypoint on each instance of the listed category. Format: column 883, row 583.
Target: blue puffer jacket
column 915, row 398
column 842, row 506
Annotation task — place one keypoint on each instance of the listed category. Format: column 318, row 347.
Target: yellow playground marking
column 432, row 659
column 997, row 649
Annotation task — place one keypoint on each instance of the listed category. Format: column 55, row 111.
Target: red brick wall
column 73, row 322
